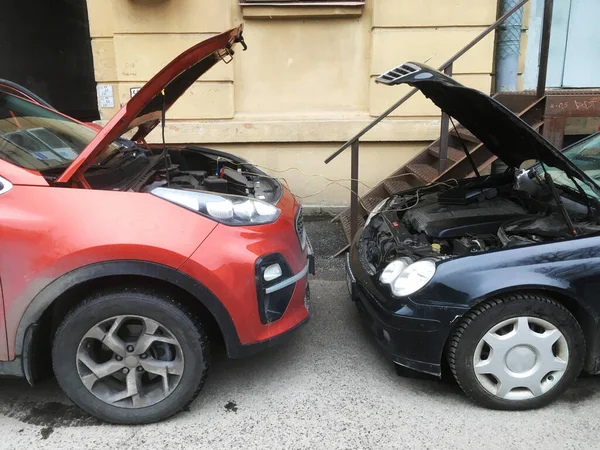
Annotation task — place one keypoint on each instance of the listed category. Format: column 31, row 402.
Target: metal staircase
column 444, row 159
column 424, row 167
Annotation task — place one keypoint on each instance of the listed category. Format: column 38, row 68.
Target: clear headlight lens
column 405, row 278
column 375, row 211
column 393, row 269
column 227, row 209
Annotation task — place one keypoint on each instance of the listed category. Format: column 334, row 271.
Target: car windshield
column 38, row 138
column 585, row 154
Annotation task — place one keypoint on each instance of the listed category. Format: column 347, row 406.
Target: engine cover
column 452, row 221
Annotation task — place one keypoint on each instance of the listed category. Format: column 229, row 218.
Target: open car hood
column 498, row 128
column 145, row 108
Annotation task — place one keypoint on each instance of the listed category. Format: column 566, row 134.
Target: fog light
column 272, row 272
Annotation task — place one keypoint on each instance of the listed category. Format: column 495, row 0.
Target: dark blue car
column 496, row 277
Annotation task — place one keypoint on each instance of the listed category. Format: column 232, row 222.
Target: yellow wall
column 306, row 82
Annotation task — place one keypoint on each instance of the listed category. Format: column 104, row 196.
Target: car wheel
column 517, row 352
column 130, row 356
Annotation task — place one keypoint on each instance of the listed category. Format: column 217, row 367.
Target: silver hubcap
column 130, row 361
column 521, row 358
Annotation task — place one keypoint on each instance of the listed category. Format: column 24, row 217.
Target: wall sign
column 106, row 98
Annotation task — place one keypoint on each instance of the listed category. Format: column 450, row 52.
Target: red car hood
column 145, row 108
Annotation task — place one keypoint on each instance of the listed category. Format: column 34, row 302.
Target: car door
column 5, row 187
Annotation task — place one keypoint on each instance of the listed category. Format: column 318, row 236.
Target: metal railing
column 447, row 68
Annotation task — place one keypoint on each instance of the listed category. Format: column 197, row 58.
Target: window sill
column 301, row 10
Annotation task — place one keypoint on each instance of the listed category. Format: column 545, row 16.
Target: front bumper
column 412, row 336
column 308, row 268
column 245, row 350
column 226, row 263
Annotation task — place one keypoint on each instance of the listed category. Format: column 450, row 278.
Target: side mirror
column 5, row 185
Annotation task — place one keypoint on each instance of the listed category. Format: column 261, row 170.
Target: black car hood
column 498, row 128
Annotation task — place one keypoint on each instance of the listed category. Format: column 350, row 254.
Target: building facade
column 304, row 86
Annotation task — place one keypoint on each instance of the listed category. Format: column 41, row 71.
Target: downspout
column 508, row 45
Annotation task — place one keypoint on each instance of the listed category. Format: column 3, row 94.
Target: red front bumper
column 225, row 263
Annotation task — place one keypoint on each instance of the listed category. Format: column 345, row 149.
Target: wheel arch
column 53, row 302
column 583, row 315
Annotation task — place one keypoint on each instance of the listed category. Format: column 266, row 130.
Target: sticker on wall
column 106, row 99
column 134, row 91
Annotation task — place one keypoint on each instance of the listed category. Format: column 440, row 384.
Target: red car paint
column 49, row 232
column 233, row 252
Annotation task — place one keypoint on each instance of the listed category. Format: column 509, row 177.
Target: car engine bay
column 209, row 170
column 495, row 213
column 195, row 168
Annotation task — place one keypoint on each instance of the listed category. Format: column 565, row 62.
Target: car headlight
column 393, row 270
column 405, row 278
column 374, row 212
column 224, row 208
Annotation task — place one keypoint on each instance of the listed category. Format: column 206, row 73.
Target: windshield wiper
column 122, row 151
column 559, row 202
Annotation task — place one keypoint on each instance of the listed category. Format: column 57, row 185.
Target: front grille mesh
column 300, row 232
column 396, row 73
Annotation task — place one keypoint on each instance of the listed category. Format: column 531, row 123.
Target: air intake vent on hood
column 392, row 76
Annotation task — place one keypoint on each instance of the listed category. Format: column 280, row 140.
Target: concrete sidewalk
column 328, row 387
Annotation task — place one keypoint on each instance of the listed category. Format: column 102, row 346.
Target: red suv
column 118, row 258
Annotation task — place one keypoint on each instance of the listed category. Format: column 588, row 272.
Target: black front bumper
column 412, row 336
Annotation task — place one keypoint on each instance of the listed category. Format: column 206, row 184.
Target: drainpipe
column 508, row 46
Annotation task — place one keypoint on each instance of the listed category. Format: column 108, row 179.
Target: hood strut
column 561, row 206
column 466, row 150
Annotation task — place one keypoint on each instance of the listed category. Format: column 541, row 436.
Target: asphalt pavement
column 327, row 387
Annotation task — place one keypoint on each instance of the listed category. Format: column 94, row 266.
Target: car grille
column 300, row 232
column 395, row 74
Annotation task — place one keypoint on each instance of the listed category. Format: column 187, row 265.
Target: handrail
column 444, row 66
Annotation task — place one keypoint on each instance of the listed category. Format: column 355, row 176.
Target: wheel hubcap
column 521, row 358
column 130, row 361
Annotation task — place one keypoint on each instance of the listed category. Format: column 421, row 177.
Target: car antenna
column 466, row 150
column 162, row 126
column 428, row 59
column 558, row 200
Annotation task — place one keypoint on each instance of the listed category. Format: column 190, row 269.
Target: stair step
column 369, row 203
column 345, row 220
column 516, row 101
column 454, row 154
column 423, row 171
column 396, row 185
column 465, row 134
column 536, row 126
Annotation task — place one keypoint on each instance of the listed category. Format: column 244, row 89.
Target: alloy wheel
column 130, row 361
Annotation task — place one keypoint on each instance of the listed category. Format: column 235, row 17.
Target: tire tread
column 157, row 296
column 477, row 311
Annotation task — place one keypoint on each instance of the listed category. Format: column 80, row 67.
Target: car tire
column 504, row 345
column 131, row 356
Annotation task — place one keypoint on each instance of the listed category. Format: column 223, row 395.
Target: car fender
column 570, row 268
column 46, row 297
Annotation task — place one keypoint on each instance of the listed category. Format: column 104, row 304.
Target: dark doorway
column 45, row 46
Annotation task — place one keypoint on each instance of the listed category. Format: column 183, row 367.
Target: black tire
column 477, row 322
column 154, row 305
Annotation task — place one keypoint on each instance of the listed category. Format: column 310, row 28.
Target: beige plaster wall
column 306, row 82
